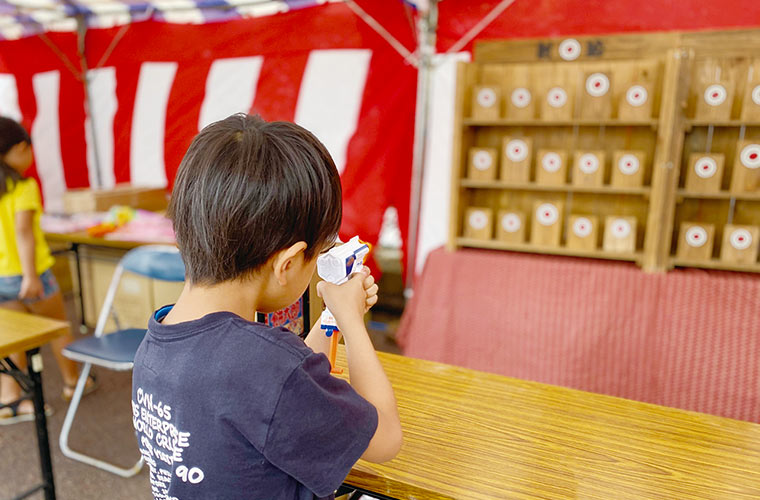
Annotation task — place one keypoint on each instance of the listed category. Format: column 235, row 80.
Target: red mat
column 688, row 338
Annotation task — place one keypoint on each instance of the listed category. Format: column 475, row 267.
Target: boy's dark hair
column 11, row 133
column 247, row 189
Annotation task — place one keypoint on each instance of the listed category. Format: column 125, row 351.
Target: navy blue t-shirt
column 229, row 409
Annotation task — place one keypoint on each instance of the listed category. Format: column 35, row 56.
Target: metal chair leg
column 63, row 440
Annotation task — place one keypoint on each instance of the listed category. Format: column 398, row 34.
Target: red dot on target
column 569, row 49
column 546, row 214
column 753, row 156
column 741, row 238
column 636, row 96
column 715, row 95
column 598, row 84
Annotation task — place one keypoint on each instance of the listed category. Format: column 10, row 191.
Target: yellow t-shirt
column 24, row 195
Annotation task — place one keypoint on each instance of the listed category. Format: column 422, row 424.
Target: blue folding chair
column 116, row 351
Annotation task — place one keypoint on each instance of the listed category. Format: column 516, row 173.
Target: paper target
column 547, row 214
column 482, row 160
column 511, row 223
column 551, row 162
column 696, row 236
column 478, row 219
column 628, row 164
column 636, row 96
column 588, row 163
column 705, row 167
column 750, row 156
column 486, row 98
column 715, row 94
column 621, row 228
column 517, row 150
column 557, row 97
column 570, row 49
column 756, row 95
column 741, row 239
column 521, row 97
column 582, row 227
column 597, row 84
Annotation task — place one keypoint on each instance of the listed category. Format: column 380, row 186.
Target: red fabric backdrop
column 378, row 158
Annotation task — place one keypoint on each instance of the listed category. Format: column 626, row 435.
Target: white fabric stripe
column 9, row 97
column 149, row 124
column 230, row 88
column 436, row 180
column 330, row 98
column 104, row 105
column 46, row 139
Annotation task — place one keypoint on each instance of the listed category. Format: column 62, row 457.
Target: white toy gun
column 336, row 267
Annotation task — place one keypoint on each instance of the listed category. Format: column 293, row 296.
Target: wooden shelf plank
column 716, row 264
column 720, row 195
column 565, row 188
column 725, row 123
column 529, row 248
column 508, row 122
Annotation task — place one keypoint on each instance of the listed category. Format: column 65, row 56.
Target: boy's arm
column 31, row 286
column 348, row 303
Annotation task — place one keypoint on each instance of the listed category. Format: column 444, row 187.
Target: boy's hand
column 370, row 288
column 348, row 302
column 31, row 288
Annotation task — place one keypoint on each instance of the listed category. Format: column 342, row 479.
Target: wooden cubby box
column 714, row 100
column 628, row 168
column 486, row 102
column 520, row 103
column 636, row 102
column 516, row 159
column 597, row 96
column 620, row 234
column 696, row 241
column 705, row 172
column 746, row 174
column 546, row 229
column 582, row 232
column 588, row 168
column 740, row 244
column 478, row 223
column 482, row 164
column 551, row 167
column 510, row 227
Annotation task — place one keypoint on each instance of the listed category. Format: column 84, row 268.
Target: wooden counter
column 473, row 435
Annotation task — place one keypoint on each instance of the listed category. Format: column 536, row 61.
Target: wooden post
column 456, row 212
column 666, row 163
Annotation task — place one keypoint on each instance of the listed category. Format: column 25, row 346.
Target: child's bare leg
column 52, row 307
column 9, row 389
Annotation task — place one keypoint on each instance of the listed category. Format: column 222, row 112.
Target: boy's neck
column 197, row 301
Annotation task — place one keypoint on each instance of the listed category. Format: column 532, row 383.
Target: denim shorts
column 10, row 287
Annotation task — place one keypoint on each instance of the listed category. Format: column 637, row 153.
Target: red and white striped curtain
column 151, row 92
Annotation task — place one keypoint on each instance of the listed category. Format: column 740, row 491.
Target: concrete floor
column 103, row 428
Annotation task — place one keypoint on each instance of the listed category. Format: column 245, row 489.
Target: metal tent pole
column 427, row 27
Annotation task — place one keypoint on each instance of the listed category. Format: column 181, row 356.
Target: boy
column 226, row 408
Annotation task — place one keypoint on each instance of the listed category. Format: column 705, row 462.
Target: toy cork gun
column 336, row 267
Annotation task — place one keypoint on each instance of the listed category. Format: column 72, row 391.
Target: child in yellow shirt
column 26, row 282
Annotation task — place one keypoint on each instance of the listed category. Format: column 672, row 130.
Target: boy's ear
column 285, row 259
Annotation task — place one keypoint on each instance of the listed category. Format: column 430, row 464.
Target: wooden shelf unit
column 719, row 131
column 675, row 68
